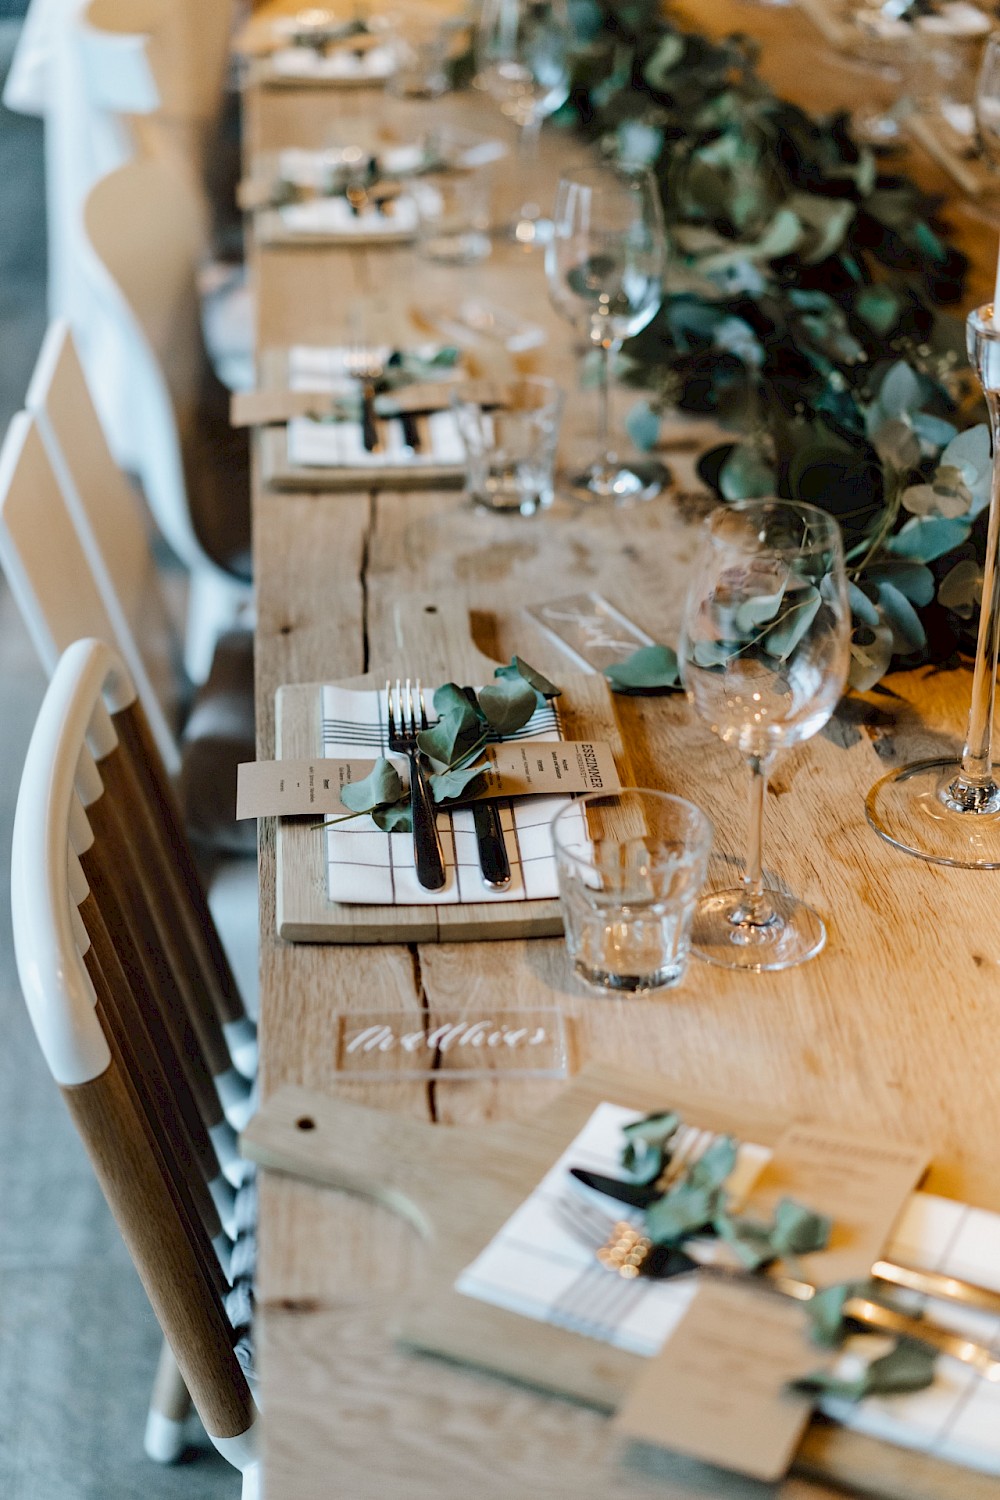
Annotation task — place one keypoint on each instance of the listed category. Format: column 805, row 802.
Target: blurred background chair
column 109, row 939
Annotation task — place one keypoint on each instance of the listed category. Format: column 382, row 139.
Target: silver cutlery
column 403, row 705
column 366, row 366
column 623, row 1250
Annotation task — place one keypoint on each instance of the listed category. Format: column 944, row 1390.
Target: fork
column 366, row 366
column 402, row 737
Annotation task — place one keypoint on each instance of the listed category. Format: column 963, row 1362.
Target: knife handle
column 427, row 852
column 493, row 859
column 369, row 427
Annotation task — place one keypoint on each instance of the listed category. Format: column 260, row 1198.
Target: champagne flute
column 764, row 656
column 986, row 104
column 605, row 265
column 522, row 59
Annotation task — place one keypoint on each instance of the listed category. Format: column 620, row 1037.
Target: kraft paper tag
column 518, row 768
column 715, row 1390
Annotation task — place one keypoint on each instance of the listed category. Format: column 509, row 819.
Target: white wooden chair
column 66, row 586
column 104, row 923
column 143, row 245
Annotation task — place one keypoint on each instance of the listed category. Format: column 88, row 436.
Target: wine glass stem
column 977, row 754
column 527, row 155
column 755, row 909
column 604, row 404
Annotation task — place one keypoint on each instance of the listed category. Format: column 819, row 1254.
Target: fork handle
column 427, row 851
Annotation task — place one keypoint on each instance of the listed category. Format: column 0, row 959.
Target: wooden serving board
column 458, row 1186
column 305, row 913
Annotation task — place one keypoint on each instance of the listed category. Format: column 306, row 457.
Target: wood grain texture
column 893, row 1029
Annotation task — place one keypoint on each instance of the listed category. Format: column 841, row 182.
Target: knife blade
column 637, row 1195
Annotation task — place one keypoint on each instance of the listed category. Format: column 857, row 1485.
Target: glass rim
column 702, row 831
column 815, row 513
column 592, row 175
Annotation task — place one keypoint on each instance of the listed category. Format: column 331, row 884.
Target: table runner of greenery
column 804, row 311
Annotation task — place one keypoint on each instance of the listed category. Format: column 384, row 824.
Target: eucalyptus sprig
column 453, row 747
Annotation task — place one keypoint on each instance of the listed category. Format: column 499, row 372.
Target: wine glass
column 986, row 103
column 764, row 657
column 522, row 60
column 605, row 265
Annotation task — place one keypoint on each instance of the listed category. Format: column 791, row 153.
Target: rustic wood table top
column 893, row 1029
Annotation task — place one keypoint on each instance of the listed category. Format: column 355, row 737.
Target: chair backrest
column 109, row 517
column 107, row 924
column 63, row 581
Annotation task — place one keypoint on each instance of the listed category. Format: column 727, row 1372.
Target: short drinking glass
column 631, row 867
column 510, row 448
column 764, row 656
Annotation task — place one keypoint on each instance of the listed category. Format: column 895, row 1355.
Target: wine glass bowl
column 764, row 654
column 986, row 102
column 605, row 265
column 522, row 63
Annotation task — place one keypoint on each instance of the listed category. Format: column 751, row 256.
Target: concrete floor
column 78, row 1342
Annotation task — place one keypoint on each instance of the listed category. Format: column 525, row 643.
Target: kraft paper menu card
column 716, row 1390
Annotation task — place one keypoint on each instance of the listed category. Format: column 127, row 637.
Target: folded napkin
column 340, row 65
column 336, row 445
column 313, row 169
column 335, row 217
column 534, row 1262
column 369, row 868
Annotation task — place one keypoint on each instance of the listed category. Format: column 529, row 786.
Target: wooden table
column 894, row 1028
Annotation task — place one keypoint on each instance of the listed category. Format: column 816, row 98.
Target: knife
column 892, row 1273
column 493, row 861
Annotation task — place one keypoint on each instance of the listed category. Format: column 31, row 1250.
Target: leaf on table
column 450, row 696
column 379, row 788
column 508, row 703
column 924, row 538
column 648, row 670
column 750, row 1241
column 782, row 639
column 453, row 736
column 642, row 424
column 520, row 668
column 683, row 1211
column 825, row 1311
column 907, row 1367
column 797, row 1230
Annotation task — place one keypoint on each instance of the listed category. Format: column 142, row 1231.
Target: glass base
column 608, row 982
column 919, row 809
column 794, row 934
column 530, row 229
column 620, row 484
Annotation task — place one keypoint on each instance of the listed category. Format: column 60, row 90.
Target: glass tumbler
column 631, row 866
column 453, row 209
column 510, row 446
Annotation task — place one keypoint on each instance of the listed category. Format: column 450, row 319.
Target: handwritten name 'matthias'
column 383, row 1038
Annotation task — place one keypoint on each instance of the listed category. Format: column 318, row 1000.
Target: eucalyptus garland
column 804, row 312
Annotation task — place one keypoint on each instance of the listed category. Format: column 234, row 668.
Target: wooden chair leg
column 168, row 1408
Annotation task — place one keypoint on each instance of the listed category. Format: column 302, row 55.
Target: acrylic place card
column 590, row 630
column 375, row 1046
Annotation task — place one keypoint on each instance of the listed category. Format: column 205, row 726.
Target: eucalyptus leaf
column 508, row 703
column 825, row 1311
column 756, row 611
column 745, row 475
column 909, row 1366
column 862, row 607
column 379, row 788
column 520, row 668
column 871, row 653
column 664, row 59
column 449, row 698
column 645, row 1151
column 800, row 610
column 925, row 538
column 397, row 819
column 961, row 589
column 452, row 736
column 650, row 669
column 900, row 391
column 897, row 444
column 684, row 1211
column 912, row 579
column 907, row 631
column 933, row 431
column 750, row 1241
column 798, row 1230
column 712, row 1169
column 447, row 785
